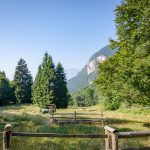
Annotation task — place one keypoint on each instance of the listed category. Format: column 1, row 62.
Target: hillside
column 88, row 73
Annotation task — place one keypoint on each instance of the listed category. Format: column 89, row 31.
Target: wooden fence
column 111, row 136
column 77, row 117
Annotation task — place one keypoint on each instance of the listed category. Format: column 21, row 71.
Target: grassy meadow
column 28, row 118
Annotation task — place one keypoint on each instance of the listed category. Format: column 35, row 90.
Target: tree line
column 124, row 79
column 49, row 86
column 85, row 97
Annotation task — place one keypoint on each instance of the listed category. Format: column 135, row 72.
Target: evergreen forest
column 49, row 86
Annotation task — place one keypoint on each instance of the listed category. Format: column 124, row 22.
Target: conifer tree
column 43, row 86
column 5, row 90
column 61, row 91
column 23, row 82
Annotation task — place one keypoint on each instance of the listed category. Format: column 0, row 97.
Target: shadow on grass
column 21, row 121
column 73, row 129
column 37, row 123
column 56, row 144
column 14, row 107
column 119, row 121
column 134, row 144
column 146, row 125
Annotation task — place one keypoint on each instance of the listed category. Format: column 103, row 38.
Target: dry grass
column 28, row 118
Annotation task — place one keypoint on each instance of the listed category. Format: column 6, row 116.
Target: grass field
column 27, row 118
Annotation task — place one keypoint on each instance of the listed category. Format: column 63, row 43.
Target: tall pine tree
column 61, row 91
column 22, row 82
column 43, row 86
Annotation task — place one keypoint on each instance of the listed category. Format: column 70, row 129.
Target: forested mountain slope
column 88, row 73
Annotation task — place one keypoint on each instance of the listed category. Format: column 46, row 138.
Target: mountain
column 88, row 73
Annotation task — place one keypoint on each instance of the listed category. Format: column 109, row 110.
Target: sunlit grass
column 28, row 118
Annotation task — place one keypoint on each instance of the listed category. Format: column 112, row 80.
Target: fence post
column 114, row 140
column 111, row 141
column 108, row 141
column 75, row 116
column 102, row 118
column 7, row 136
column 51, row 116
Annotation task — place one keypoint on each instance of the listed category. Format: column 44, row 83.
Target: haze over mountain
column 70, row 73
column 88, row 72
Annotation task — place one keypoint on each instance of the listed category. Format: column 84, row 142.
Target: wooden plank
column 79, row 114
column 112, row 130
column 59, row 135
column 114, row 141
column 77, row 121
column 90, row 114
column 134, row 134
column 107, row 140
column 62, row 117
column 144, row 148
column 77, row 118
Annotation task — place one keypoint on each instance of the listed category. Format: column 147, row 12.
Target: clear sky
column 69, row 30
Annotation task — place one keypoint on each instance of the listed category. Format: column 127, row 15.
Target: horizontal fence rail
column 59, row 135
column 63, row 117
column 133, row 134
column 111, row 136
column 75, row 117
column 80, row 114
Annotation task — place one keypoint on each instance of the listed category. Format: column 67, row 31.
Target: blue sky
column 69, row 30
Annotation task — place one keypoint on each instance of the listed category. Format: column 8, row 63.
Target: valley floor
column 28, row 118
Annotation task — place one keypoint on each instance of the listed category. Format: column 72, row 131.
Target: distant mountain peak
column 92, row 65
column 88, row 73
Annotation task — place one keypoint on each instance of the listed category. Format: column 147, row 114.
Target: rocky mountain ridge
column 88, row 73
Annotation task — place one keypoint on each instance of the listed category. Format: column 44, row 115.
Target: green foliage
column 61, row 91
column 43, row 89
column 134, row 110
column 85, row 97
column 50, row 85
column 22, row 82
column 125, row 77
column 6, row 91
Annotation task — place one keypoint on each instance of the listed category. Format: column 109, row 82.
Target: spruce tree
column 23, row 82
column 43, row 86
column 5, row 90
column 61, row 91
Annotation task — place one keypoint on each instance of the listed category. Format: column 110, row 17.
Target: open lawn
column 28, row 118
